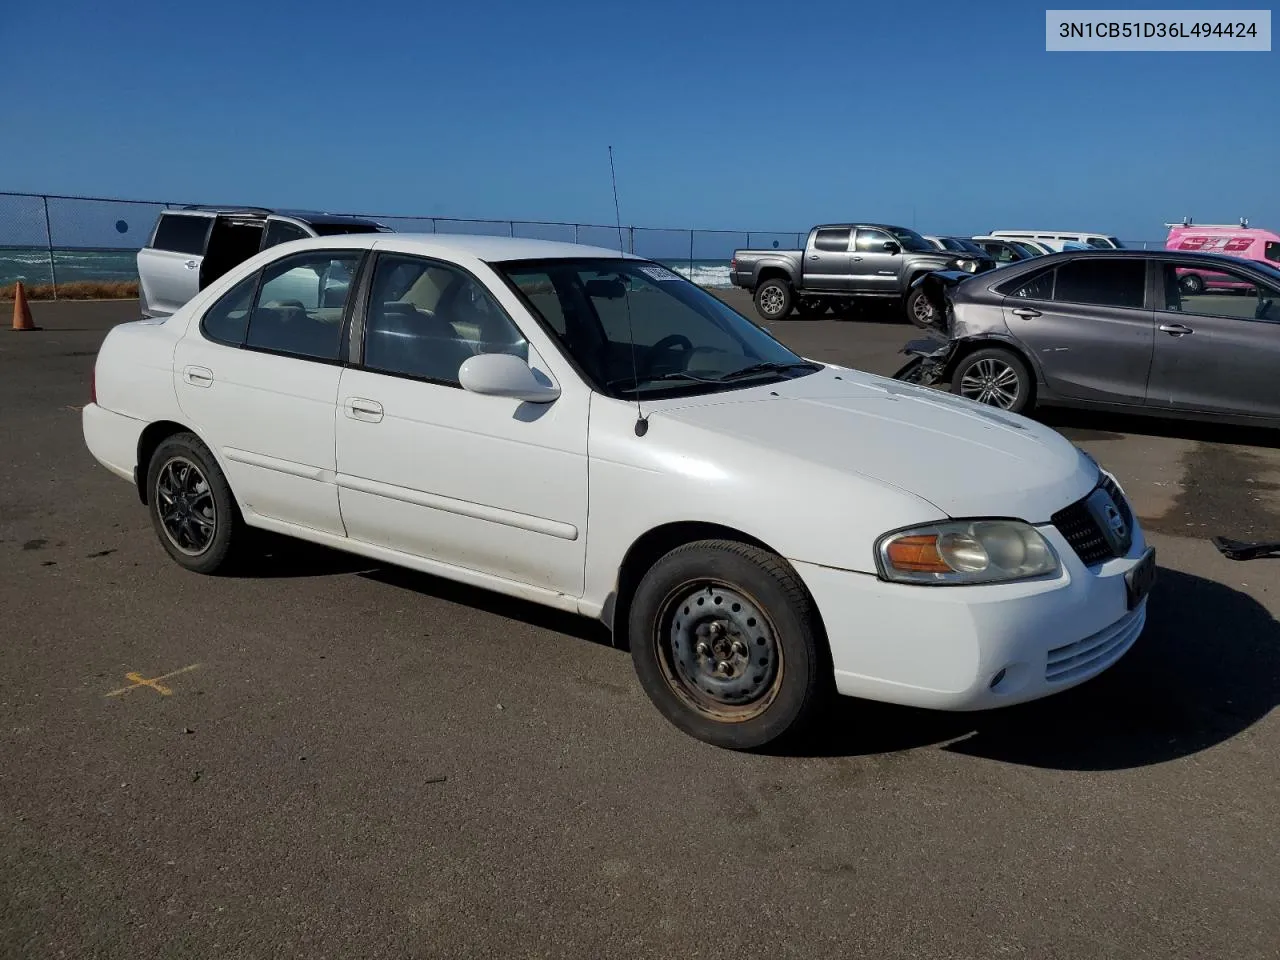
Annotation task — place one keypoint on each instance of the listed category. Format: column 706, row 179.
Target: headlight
column 966, row 552
column 968, row 266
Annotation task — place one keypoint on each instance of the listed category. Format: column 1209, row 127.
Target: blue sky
column 730, row 115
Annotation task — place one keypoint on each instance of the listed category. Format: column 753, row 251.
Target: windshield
column 635, row 328
column 1108, row 244
column 1025, row 250
column 950, row 243
column 337, row 229
column 911, row 240
column 968, row 246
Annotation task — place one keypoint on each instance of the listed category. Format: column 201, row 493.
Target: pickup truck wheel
column 191, row 505
column 726, row 643
column 774, row 299
column 920, row 310
column 996, row 377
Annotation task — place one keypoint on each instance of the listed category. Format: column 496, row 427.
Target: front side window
column 280, row 231
column 1223, row 293
column 301, row 304
column 1002, row 252
column 1110, row 283
column 873, row 241
column 182, row 233
column 635, row 328
column 910, row 240
column 426, row 318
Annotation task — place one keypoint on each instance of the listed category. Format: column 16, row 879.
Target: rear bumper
column 975, row 648
column 112, row 439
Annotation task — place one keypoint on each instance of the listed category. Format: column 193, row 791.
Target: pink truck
column 1243, row 241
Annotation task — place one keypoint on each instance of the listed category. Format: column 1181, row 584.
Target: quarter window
column 832, row 241
column 1110, row 283
column 1039, row 287
column 228, row 318
column 426, row 319
column 181, row 233
column 301, row 305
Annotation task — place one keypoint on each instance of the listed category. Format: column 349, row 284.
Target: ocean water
column 31, row 265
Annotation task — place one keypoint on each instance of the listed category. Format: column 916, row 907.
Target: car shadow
column 1082, row 425
column 279, row 557
column 1206, row 668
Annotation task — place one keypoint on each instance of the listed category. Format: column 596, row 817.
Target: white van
column 1055, row 238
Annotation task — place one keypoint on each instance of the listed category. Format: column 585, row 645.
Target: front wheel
column 920, row 309
column 774, row 299
column 726, row 643
column 996, row 377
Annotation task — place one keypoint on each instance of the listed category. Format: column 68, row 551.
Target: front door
column 257, row 376
column 1217, row 350
column 1087, row 324
column 875, row 268
column 486, row 483
column 169, row 266
column 826, row 262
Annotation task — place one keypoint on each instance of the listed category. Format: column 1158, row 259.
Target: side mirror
column 891, row 247
column 505, row 375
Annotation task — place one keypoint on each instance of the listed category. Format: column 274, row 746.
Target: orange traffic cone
column 21, row 309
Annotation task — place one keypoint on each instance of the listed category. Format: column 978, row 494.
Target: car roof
column 306, row 216
column 462, row 245
column 854, row 224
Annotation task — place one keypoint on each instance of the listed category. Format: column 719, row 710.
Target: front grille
column 1078, row 525
column 1082, row 658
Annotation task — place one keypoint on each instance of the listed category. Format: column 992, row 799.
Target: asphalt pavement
column 332, row 758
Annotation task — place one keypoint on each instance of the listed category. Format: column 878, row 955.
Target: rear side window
column 1110, row 283
column 832, row 241
column 280, row 231
column 182, row 233
column 228, row 318
column 302, row 303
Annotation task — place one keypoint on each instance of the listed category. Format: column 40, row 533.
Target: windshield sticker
column 660, row 273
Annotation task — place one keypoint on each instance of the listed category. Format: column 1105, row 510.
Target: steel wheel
column 719, row 651
column 184, row 501
column 991, row 381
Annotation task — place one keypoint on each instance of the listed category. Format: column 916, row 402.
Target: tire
column 774, row 299
column 1191, row 284
column 920, row 311
column 204, row 502
column 813, row 308
column 995, row 367
column 764, row 628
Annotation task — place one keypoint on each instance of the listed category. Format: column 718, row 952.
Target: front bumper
column 978, row 647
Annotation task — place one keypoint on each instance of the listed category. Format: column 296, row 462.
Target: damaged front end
column 930, row 355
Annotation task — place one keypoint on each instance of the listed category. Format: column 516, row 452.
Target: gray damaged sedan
column 1122, row 330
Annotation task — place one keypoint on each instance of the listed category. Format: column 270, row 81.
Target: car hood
column 964, row 458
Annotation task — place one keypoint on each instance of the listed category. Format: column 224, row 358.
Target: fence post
column 631, row 231
column 511, row 228
column 53, row 269
column 748, row 239
column 575, row 233
column 691, row 255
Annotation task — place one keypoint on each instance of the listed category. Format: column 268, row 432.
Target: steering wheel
column 665, row 344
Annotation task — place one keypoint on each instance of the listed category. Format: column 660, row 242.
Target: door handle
column 190, row 264
column 198, row 376
column 357, row 408
column 1026, row 313
column 855, row 258
column 814, row 257
column 1175, row 329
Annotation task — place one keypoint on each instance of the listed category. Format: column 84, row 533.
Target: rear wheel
column 1191, row 283
column 191, row 505
column 726, row 642
column 774, row 299
column 995, row 377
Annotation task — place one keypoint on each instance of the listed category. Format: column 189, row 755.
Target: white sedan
column 590, row 431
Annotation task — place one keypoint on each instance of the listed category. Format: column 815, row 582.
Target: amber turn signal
column 916, row 554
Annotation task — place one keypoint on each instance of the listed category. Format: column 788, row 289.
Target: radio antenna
column 642, row 425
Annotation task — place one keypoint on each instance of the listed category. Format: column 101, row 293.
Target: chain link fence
column 87, row 246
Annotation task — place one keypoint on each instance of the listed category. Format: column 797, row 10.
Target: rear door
column 875, row 269
column 1088, row 326
column 169, row 265
column 1217, row 351
column 826, row 262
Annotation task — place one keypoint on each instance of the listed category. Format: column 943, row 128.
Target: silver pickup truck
column 844, row 261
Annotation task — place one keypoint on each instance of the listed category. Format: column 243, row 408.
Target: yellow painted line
column 138, row 680
column 72, row 408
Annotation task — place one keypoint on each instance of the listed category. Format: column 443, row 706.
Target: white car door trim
column 273, row 463
column 476, row 511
